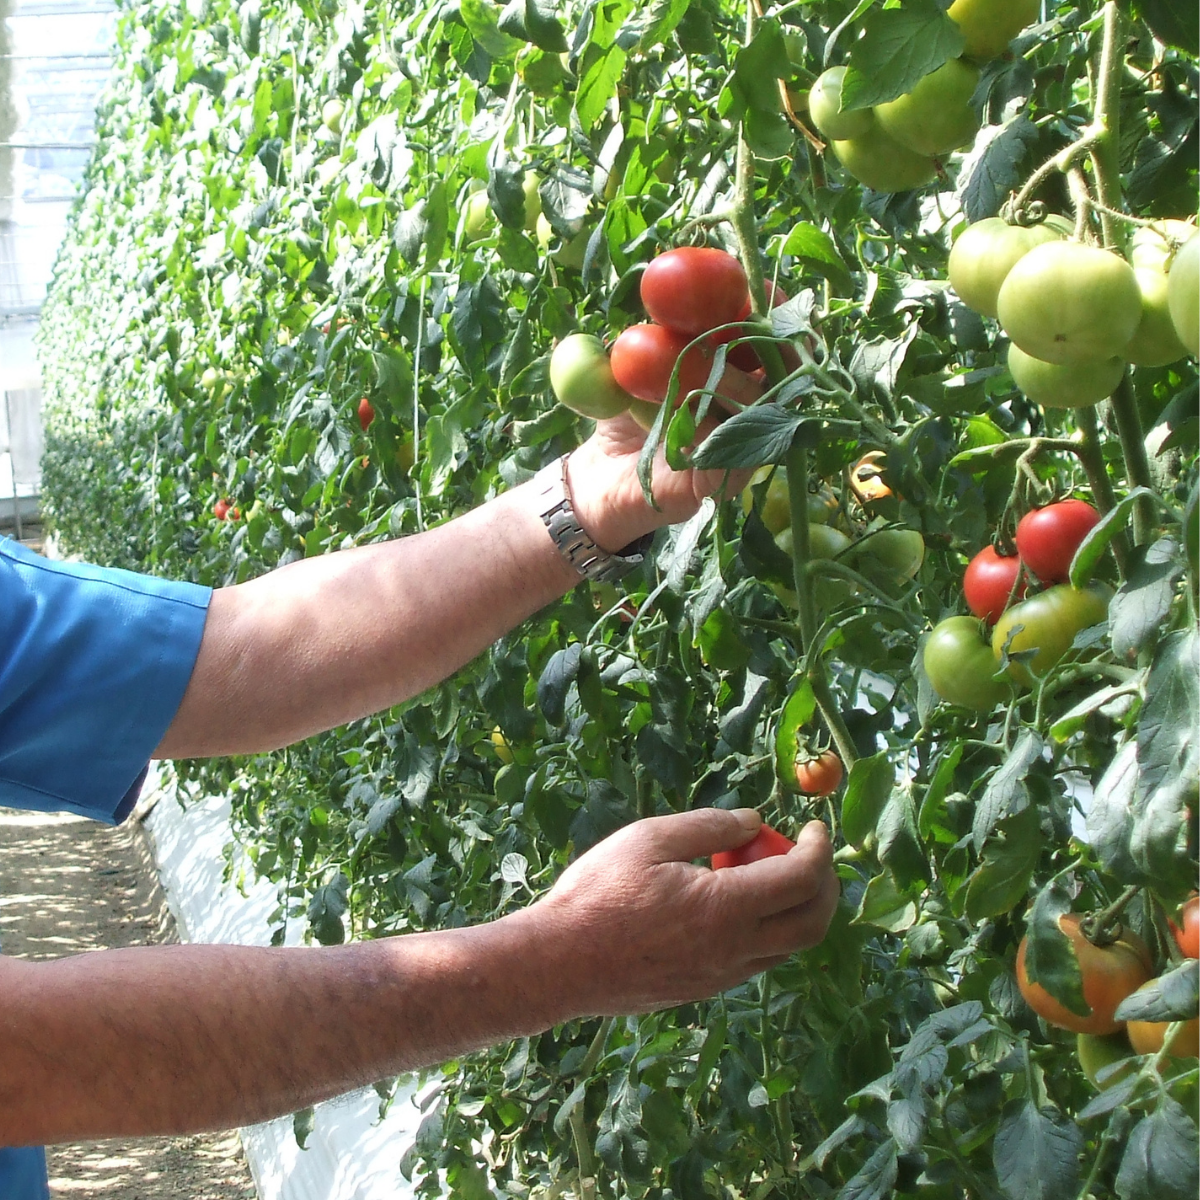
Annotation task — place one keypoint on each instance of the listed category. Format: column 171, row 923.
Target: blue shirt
column 93, row 665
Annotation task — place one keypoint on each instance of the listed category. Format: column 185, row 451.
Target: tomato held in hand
column 644, row 356
column 1047, row 538
column 1187, row 933
column 582, row 378
column 960, row 665
column 988, row 583
column 766, row 843
column 366, row 414
column 693, row 289
column 1110, row 973
column 1048, row 624
column 821, row 775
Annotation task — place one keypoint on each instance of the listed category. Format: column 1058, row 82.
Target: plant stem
column 1137, row 464
column 1106, row 121
column 1098, row 926
column 1092, row 459
column 797, row 472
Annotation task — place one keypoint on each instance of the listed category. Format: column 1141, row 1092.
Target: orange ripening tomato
column 1146, row 1037
column 766, row 843
column 821, row 775
column 1110, row 973
column 1187, row 933
column 866, row 478
column 366, row 413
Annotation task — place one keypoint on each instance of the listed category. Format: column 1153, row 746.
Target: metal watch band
column 567, row 534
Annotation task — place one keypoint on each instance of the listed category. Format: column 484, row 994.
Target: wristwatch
column 568, row 535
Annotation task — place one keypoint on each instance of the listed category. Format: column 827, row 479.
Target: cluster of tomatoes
column 896, row 146
column 1076, row 314
column 688, row 293
column 225, row 510
column 1110, row 970
column 961, row 666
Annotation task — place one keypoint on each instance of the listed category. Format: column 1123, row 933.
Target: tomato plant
column 503, row 179
column 1108, row 973
column 990, row 583
column 1048, row 537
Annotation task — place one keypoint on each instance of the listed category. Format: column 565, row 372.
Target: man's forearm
column 176, row 1039
column 332, row 639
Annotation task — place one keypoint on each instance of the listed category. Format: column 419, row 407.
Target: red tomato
column 988, row 583
column 821, row 775
column 744, row 357
column 221, row 509
column 1188, row 937
column 1047, row 538
column 766, row 843
column 693, row 289
column 644, row 356
column 366, row 413
column 1110, row 973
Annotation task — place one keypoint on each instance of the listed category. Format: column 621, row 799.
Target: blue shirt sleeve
column 93, row 665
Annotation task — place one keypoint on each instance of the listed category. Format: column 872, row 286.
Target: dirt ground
column 67, row 886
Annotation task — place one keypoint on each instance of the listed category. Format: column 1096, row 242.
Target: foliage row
column 278, row 223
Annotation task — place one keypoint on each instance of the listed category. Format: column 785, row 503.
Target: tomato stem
column 1100, row 928
column 1137, row 464
column 1106, row 117
column 1092, row 458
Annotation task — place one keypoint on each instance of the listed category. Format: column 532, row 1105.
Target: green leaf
column 1160, row 1159
column 534, row 21
column 816, row 249
column 1049, row 958
column 899, row 48
column 798, row 711
column 1174, row 996
column 1092, row 548
column 994, row 167
column 1174, row 22
column 1110, row 820
column 598, row 84
column 877, row 1178
column 868, row 787
column 1139, row 609
column 885, row 905
column 760, row 66
column 899, row 847
column 1168, row 763
column 1073, row 720
column 1006, row 793
column 481, row 17
column 555, row 681
column 753, row 437
column 1001, row 880
column 1036, row 1152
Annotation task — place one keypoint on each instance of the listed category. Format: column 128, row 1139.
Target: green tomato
column 480, row 219
column 823, row 541
column 583, row 380
column 533, row 202
column 989, row 25
column 1183, row 295
column 825, row 108
column 776, row 509
column 985, row 252
column 893, row 554
column 332, row 112
column 882, row 163
column 1155, row 342
column 1054, row 386
column 643, row 412
column 960, row 665
column 1064, row 302
column 935, row 117
column 1096, row 1051
column 1048, row 624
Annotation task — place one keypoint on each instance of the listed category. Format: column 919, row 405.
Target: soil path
column 68, row 886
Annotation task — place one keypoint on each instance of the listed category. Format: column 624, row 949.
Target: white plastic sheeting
column 351, row 1154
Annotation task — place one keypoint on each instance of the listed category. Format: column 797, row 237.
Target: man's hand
column 607, row 495
column 633, row 925
column 335, row 638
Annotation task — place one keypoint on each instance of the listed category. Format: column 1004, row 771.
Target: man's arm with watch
column 329, row 640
